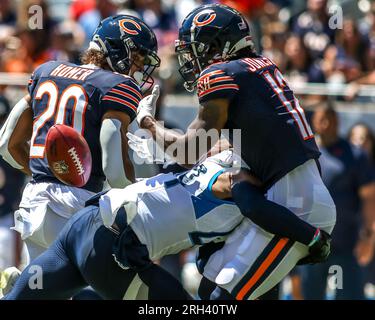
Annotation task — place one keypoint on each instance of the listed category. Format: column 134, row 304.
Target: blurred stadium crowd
column 313, row 41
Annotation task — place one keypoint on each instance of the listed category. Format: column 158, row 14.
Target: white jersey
column 253, row 261
column 176, row 212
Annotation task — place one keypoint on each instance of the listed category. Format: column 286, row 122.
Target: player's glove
column 319, row 251
column 147, row 149
column 147, row 105
column 129, row 252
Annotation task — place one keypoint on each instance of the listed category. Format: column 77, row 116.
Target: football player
column 240, row 89
column 99, row 99
column 111, row 243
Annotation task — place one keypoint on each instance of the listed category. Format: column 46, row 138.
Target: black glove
column 129, row 252
column 319, row 251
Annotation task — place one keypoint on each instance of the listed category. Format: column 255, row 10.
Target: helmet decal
column 210, row 18
column 209, row 34
column 127, row 30
column 118, row 37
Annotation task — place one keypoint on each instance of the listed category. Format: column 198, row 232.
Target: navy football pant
column 81, row 256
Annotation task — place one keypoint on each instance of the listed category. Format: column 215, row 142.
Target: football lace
column 77, row 162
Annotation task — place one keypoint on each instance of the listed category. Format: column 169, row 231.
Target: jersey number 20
column 49, row 88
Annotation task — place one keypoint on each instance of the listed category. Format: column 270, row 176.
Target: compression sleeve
column 7, row 131
column 112, row 162
column 269, row 215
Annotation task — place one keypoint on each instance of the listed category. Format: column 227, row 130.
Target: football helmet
column 120, row 37
column 209, row 34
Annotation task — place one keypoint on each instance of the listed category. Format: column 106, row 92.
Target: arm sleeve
column 270, row 216
column 7, row 131
column 216, row 84
column 112, row 162
column 123, row 97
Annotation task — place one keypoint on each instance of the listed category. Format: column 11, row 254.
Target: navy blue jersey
column 78, row 96
column 275, row 136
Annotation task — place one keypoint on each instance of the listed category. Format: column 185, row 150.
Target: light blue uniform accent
column 206, row 201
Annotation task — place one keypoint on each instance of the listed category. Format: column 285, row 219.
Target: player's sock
column 271, row 216
column 162, row 285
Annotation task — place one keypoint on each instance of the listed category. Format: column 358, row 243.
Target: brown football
column 68, row 155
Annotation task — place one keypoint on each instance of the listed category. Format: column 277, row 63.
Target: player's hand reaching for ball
column 147, row 105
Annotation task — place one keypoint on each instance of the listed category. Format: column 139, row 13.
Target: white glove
column 147, row 105
column 147, row 149
column 143, row 147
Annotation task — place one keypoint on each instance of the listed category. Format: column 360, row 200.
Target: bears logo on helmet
column 211, row 17
column 126, row 29
column 209, row 34
column 122, row 37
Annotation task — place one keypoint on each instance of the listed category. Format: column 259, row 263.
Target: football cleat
column 8, row 278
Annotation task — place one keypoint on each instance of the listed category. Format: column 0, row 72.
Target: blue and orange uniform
column 77, row 96
column 275, row 136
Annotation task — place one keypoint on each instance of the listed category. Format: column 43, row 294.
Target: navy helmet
column 209, row 34
column 119, row 38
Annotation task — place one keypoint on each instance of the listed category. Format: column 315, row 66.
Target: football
column 68, row 155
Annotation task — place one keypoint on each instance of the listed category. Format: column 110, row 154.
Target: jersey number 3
column 49, row 88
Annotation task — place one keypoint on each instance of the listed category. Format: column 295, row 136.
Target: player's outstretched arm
column 15, row 134
column 117, row 166
column 185, row 148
